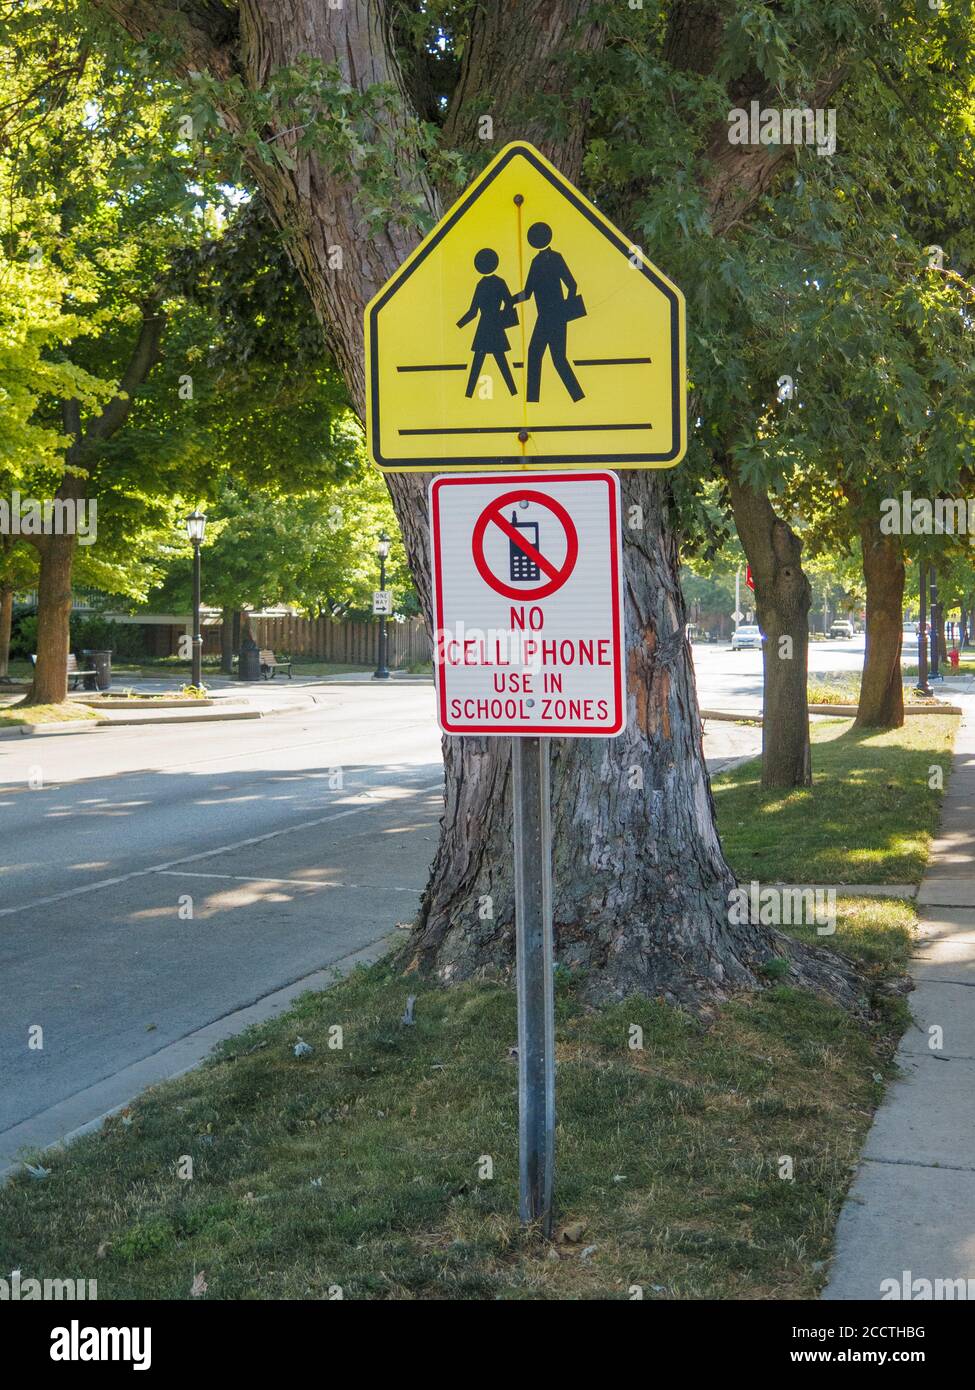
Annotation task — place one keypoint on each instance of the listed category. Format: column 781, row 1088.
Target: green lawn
column 17, row 714
column 966, row 667
column 363, row 1167
column 868, row 817
column 843, row 689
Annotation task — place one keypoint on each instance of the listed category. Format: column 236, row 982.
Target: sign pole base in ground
column 536, row 994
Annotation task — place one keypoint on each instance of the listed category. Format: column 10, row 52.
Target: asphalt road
column 299, row 839
column 154, row 881
column 733, row 680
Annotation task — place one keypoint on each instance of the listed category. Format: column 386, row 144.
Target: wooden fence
column 346, row 643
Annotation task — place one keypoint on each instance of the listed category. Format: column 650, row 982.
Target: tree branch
column 145, row 355
column 205, row 32
column 513, row 88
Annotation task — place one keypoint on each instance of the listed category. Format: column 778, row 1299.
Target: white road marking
column 405, row 724
column 220, row 849
column 301, row 882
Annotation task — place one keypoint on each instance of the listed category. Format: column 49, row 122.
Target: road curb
column 850, row 711
column 60, row 1124
column 840, row 711
column 732, row 716
column 213, row 716
column 147, row 702
column 73, row 726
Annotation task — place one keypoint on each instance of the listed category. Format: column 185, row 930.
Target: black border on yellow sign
column 678, row 443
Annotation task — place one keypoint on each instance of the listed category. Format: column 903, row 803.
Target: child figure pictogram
column 492, row 305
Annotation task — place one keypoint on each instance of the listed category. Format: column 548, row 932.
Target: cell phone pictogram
column 523, row 567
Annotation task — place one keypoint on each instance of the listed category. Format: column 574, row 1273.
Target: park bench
column 270, row 665
column 75, row 674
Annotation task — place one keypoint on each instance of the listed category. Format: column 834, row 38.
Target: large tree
column 315, row 551
column 89, row 156
column 358, row 124
column 835, row 352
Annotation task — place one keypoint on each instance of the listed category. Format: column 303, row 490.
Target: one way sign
column 528, row 609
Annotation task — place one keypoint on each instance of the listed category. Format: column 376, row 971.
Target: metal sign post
column 535, row 978
column 527, row 568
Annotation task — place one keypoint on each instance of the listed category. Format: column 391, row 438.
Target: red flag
column 748, row 577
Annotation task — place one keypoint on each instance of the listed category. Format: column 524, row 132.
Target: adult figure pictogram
column 494, row 308
column 554, row 311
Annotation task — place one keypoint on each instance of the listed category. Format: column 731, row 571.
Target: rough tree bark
column 6, row 624
column 882, row 688
column 641, row 885
column 50, row 683
column 783, row 596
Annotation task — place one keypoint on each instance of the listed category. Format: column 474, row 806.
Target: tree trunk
column 6, row 623
column 227, row 616
column 50, row 685
column 783, row 596
column 881, row 687
column 641, row 885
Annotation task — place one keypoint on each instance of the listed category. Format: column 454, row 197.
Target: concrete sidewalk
column 910, row 1214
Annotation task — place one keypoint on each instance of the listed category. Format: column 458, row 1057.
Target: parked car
column 910, row 629
column 841, row 628
column 747, row 636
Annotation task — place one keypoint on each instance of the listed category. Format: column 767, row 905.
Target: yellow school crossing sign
column 525, row 330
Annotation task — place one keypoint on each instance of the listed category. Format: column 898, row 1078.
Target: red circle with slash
column 494, row 513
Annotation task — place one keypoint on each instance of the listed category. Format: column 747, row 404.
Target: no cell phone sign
column 528, row 604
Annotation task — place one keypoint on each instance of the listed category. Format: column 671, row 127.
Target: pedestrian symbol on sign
column 493, row 306
column 555, row 312
column 548, row 337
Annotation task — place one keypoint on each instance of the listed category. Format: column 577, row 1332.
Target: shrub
column 23, row 635
column 92, row 632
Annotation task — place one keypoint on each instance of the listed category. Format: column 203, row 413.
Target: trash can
column 249, row 661
column 102, row 663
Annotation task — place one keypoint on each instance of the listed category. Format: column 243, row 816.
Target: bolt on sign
column 525, row 330
column 528, row 604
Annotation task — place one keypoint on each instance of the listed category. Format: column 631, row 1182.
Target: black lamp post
column 922, row 644
column 381, row 672
column 936, row 624
column 195, row 527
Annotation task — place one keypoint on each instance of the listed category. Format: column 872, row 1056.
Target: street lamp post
column 935, row 609
column 922, row 645
column 381, row 672
column 195, row 527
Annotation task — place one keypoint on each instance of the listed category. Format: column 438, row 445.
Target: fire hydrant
column 953, row 658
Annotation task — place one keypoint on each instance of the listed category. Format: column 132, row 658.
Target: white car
column 747, row 636
column 841, row 628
